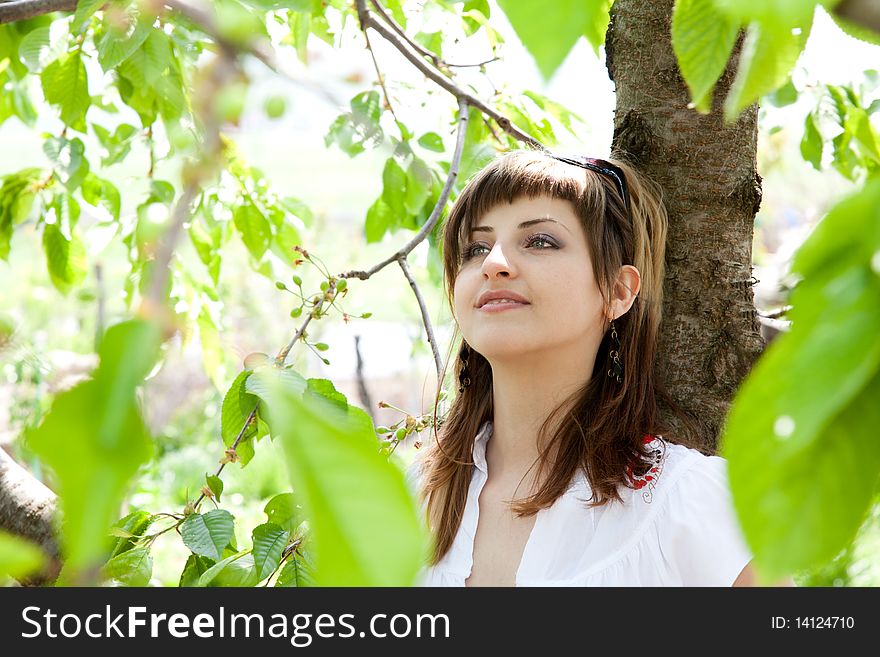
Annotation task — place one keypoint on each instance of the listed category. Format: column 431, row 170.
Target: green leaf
column 812, row 145
column 131, row 568
column 66, row 85
column 254, row 229
column 117, row 144
column 774, row 14
column 195, row 567
column 68, row 158
column 16, row 198
column 767, row 58
column 282, row 510
column 418, row 185
column 237, row 406
column 432, row 141
column 366, row 527
column 208, row 577
column 101, row 193
column 785, row 95
column 133, row 526
column 119, row 42
column 84, row 11
column 802, row 450
column 288, row 378
column 269, row 543
column 38, row 48
column 65, row 258
column 394, row 189
column 215, row 484
column 359, row 129
column 95, row 440
column 550, row 31
column 702, row 39
column 379, row 220
column 209, row 533
column 18, row 557
column 297, row 572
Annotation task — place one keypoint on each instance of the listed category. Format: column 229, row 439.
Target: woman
column 552, row 466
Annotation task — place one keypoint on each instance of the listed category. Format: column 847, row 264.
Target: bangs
column 530, row 175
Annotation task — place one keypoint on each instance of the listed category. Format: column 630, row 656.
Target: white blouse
column 678, row 528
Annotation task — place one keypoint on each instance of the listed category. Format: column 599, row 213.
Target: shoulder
column 699, row 524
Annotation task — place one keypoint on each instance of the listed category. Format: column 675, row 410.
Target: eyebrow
column 525, row 224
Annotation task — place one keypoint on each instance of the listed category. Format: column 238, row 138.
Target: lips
column 497, row 295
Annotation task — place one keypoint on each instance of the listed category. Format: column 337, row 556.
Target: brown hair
column 598, row 429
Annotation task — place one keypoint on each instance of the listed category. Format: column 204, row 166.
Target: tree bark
column 710, row 335
column 27, row 509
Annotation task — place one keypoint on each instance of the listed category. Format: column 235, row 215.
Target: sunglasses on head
column 599, row 166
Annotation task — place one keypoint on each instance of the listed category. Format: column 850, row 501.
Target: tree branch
column 503, row 122
column 20, row 10
column 27, row 509
column 865, row 13
column 426, row 318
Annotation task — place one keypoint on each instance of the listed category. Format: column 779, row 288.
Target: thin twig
column 432, row 74
column 438, row 61
column 426, row 317
column 434, row 57
column 381, row 79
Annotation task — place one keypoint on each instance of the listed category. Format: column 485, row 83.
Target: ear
column 624, row 292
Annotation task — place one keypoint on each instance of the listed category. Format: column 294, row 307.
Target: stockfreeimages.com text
column 300, row 629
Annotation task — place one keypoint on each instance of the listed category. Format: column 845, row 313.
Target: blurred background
column 383, row 358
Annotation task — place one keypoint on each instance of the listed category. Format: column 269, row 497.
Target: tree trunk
column 710, row 335
column 27, row 509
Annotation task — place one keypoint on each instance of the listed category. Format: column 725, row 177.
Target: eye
column 542, row 238
column 470, row 251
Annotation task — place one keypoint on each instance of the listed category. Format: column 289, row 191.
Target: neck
column 525, row 390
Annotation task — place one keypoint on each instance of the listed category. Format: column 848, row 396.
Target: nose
column 496, row 264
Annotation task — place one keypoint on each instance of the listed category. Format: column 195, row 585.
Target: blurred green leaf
column 367, row 530
column 235, row 574
column 68, row 159
column 65, row 258
column 84, row 11
column 94, row 439
column 282, row 510
column 254, row 229
column 432, row 141
column 18, row 557
column 359, row 129
column 802, row 450
column 394, row 189
column 702, row 39
column 379, row 220
column 101, row 193
column 768, row 55
column 550, row 31
column 66, row 85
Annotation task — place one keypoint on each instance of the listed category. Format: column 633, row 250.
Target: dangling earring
column 616, row 369
column 465, row 377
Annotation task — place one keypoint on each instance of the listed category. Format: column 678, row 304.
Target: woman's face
column 536, row 249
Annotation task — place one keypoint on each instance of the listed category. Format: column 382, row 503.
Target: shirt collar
column 480, row 446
